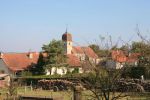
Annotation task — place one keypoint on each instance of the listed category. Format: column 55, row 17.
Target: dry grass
column 67, row 95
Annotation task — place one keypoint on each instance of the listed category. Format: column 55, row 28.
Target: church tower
column 67, row 39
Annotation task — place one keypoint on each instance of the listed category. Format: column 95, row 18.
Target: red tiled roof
column 133, row 57
column 19, row 61
column 84, row 50
column 119, row 56
column 73, row 61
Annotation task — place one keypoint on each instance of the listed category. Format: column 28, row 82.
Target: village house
column 14, row 63
column 119, row 59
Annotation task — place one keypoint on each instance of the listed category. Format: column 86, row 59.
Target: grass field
column 67, row 95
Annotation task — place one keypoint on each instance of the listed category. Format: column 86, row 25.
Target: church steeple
column 67, row 39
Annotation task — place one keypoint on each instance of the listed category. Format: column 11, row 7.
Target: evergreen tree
column 55, row 55
column 38, row 69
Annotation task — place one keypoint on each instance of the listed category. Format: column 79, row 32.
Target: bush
column 76, row 70
column 137, row 72
column 134, row 72
column 26, row 73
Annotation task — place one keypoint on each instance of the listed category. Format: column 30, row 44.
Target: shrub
column 134, row 72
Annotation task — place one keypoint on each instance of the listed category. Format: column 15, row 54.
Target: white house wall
column 119, row 65
column 81, row 70
column 60, row 71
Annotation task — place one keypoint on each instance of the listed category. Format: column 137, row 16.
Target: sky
column 28, row 24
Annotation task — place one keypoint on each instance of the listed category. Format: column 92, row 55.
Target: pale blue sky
column 28, row 24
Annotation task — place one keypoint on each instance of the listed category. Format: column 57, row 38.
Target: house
column 14, row 63
column 120, row 58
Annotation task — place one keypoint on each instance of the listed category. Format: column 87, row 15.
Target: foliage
column 12, row 88
column 137, row 72
column 134, row 72
column 95, row 48
column 100, row 52
column 76, row 70
column 144, row 50
column 38, row 69
column 26, row 73
column 102, row 83
column 55, row 54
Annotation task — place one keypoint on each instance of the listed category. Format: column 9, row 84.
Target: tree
column 98, row 51
column 38, row 69
column 102, row 81
column 95, row 48
column 144, row 50
column 12, row 89
column 55, row 54
column 125, row 48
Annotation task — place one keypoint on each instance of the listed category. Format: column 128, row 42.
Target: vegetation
column 101, row 52
column 101, row 81
column 134, row 72
column 55, row 55
column 66, row 95
column 51, row 56
column 38, row 69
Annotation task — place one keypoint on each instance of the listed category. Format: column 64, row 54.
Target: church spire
column 67, row 28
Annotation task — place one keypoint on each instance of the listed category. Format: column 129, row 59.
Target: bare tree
column 102, row 81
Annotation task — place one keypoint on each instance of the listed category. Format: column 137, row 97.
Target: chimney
column 30, row 55
column 1, row 55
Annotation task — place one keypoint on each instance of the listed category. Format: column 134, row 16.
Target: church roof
column 73, row 61
column 84, row 50
column 67, row 37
